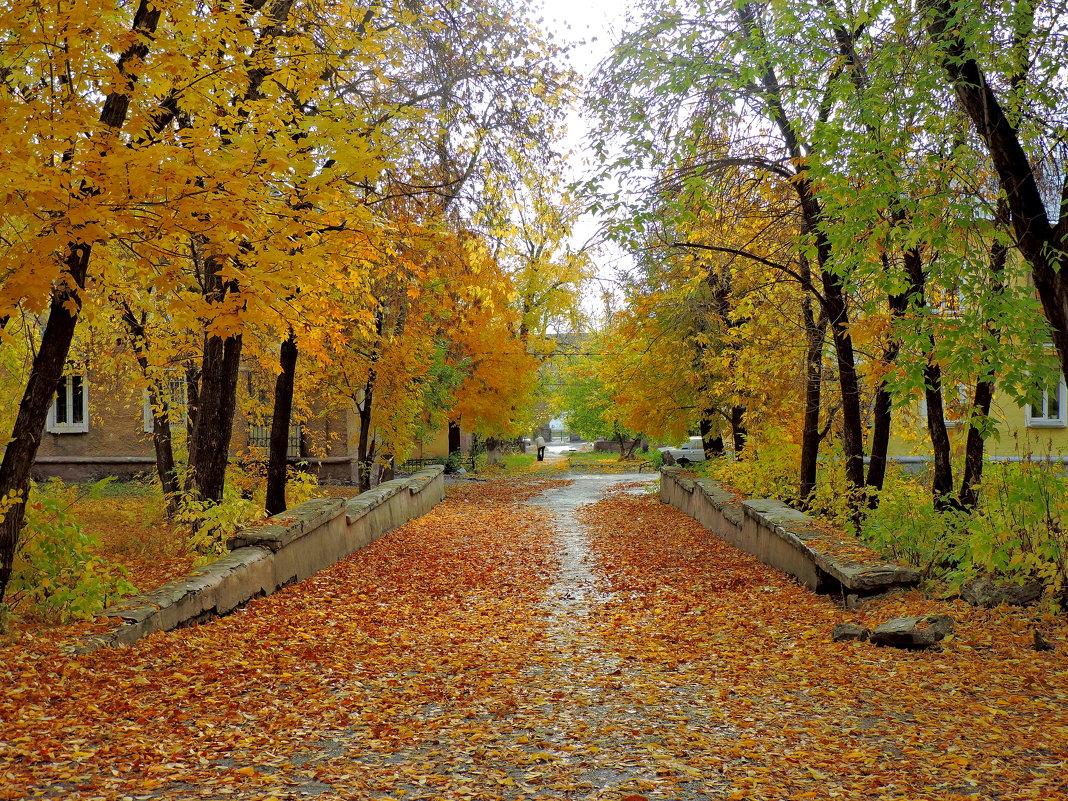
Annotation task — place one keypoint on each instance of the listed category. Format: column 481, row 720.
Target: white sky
column 596, row 23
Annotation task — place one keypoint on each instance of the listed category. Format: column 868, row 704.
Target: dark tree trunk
column 738, row 428
column 1045, row 246
column 834, row 294
column 64, row 308
column 365, row 444
column 978, row 419
column 882, row 414
column 157, row 398
column 623, row 456
column 942, row 477
column 163, row 445
column 816, row 335
column 974, row 451
column 209, row 445
column 848, row 381
column 364, row 456
column 713, row 446
column 209, row 450
column 277, row 461
column 45, row 373
column 455, row 445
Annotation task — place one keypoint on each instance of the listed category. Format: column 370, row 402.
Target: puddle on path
column 578, row 583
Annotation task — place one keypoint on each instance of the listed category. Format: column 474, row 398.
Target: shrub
column 58, row 573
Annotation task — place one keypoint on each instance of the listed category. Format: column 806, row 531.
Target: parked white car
column 693, row 450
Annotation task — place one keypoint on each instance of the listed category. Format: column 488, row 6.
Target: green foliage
column 1018, row 533
column 519, row 462
column 58, row 573
column 906, row 528
column 301, row 486
column 1022, row 531
column 211, row 523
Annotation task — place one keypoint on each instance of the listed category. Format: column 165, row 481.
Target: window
column 177, row 402
column 260, row 437
column 70, row 408
column 1048, row 410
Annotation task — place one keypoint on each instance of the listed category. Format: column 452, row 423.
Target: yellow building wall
column 1014, row 437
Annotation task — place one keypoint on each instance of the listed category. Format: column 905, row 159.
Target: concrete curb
column 784, row 538
column 273, row 554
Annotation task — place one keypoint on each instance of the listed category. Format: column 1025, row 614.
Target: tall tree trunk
column 163, row 445
column 209, row 446
column 713, row 446
column 942, row 477
column 162, row 442
column 848, row 381
column 64, row 308
column 1044, row 245
column 834, row 294
column 45, row 373
column 816, row 335
column 882, row 414
column 209, row 450
column 978, row 419
column 365, row 446
column 280, row 424
column 455, row 445
column 364, row 454
column 738, row 428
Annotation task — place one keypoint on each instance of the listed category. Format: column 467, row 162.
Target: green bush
column 58, row 573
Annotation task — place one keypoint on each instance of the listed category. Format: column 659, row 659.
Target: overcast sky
column 597, row 24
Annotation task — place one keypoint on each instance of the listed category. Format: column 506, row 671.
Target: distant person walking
column 540, row 442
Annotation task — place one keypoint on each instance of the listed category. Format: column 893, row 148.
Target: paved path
column 535, row 641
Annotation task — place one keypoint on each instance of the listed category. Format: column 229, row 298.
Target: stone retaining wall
column 782, row 537
column 277, row 552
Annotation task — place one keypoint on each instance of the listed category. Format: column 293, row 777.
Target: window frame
column 66, row 385
column 178, row 396
column 262, row 433
column 1032, row 420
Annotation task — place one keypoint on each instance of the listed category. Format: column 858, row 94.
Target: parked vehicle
column 693, row 450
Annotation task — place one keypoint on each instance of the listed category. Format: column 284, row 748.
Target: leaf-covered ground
column 482, row 653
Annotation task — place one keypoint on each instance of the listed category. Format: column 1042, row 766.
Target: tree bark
column 455, row 444
column 277, row 461
column 978, row 419
column 162, row 442
column 1044, row 245
column 816, row 335
column 738, row 428
column 45, row 373
column 713, row 446
column 834, row 294
column 65, row 305
column 942, row 477
column 364, row 456
column 882, row 413
column 209, row 445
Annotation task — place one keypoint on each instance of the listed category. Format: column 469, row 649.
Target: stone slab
column 784, row 537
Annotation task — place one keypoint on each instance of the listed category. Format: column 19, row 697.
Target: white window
column 177, row 403
column 70, row 408
column 1049, row 409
